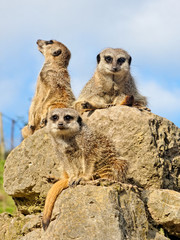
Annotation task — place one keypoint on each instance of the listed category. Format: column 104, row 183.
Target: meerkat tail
column 53, row 193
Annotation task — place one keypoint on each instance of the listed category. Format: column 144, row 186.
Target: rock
column 26, row 170
column 98, row 213
column 14, row 227
column 150, row 143
column 113, row 212
column 164, row 207
column 151, row 146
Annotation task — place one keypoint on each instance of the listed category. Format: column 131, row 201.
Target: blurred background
column 148, row 30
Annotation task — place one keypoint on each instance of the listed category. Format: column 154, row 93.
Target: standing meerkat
column 111, row 84
column 53, row 88
column 84, row 155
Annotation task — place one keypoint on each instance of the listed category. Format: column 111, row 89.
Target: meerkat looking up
column 84, row 155
column 53, row 88
column 111, row 84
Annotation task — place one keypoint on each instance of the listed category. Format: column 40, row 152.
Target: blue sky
column 148, row 30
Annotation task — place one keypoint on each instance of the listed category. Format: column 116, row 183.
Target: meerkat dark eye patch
column 49, row 42
column 79, row 120
column 108, row 59
column 121, row 60
column 98, row 58
column 57, row 53
column 68, row 118
column 54, row 117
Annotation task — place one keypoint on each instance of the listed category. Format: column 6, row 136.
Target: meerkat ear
column 98, row 58
column 79, row 120
column 129, row 61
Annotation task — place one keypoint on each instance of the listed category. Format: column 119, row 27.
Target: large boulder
column 88, row 212
column 26, row 171
column 151, row 145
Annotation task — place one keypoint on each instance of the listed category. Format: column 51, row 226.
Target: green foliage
column 6, row 202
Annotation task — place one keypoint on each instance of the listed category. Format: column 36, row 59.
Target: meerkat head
column 54, row 51
column 113, row 61
column 64, row 122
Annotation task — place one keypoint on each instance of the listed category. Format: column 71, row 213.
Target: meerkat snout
column 60, row 124
column 114, row 69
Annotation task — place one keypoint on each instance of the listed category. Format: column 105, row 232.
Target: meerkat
column 111, row 84
column 85, row 155
column 53, row 88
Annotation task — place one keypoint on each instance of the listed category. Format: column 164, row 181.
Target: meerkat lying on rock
column 85, row 155
column 53, row 88
column 111, row 84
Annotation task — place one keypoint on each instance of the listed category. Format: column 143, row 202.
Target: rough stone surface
column 14, row 227
column 164, row 207
column 31, row 163
column 150, row 143
column 108, row 214
column 88, row 212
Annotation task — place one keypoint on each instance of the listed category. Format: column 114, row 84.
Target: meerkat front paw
column 142, row 108
column 31, row 127
column 27, row 131
column 74, row 181
column 110, row 105
column 87, row 106
column 43, row 122
column 51, row 179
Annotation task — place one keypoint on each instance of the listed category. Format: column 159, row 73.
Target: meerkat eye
column 121, row 60
column 49, row 42
column 68, row 118
column 57, row 53
column 108, row 59
column 54, row 117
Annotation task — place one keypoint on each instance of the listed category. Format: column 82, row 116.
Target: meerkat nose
column 38, row 41
column 114, row 69
column 61, row 125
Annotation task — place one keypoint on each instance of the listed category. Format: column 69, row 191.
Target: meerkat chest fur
column 71, row 156
column 105, row 85
column 54, row 77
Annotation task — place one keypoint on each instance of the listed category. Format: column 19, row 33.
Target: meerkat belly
column 73, row 163
column 112, row 94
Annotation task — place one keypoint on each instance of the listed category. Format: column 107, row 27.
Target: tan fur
column 111, row 84
column 53, row 88
column 85, row 155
